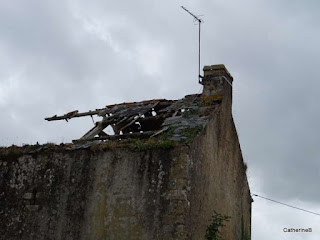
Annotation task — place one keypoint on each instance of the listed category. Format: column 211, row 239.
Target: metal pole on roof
column 199, row 22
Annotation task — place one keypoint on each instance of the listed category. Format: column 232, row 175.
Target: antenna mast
column 199, row 22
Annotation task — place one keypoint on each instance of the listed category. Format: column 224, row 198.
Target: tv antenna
column 199, row 22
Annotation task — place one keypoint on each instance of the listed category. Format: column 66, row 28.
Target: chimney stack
column 216, row 81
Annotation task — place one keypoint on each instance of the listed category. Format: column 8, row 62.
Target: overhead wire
column 301, row 209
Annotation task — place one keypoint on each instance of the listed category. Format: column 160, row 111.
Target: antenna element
column 199, row 21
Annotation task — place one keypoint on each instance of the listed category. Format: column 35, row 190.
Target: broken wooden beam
column 118, row 137
column 65, row 116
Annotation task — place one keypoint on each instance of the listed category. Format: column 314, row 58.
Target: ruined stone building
column 168, row 166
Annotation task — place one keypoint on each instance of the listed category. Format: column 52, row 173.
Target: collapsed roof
column 147, row 119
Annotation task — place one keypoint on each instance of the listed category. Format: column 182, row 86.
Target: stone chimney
column 217, row 86
column 216, row 81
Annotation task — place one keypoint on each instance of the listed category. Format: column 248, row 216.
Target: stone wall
column 218, row 179
column 89, row 194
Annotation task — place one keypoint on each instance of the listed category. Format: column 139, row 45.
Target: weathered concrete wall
column 85, row 194
column 218, row 179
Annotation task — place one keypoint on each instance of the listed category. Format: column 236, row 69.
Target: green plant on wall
column 217, row 222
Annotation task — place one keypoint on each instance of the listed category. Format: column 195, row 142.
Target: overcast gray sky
column 61, row 56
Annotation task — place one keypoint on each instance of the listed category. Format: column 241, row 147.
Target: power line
column 301, row 209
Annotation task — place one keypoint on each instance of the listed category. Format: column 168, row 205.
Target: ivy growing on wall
column 217, row 222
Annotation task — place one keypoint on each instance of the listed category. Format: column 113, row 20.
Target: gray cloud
column 83, row 55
